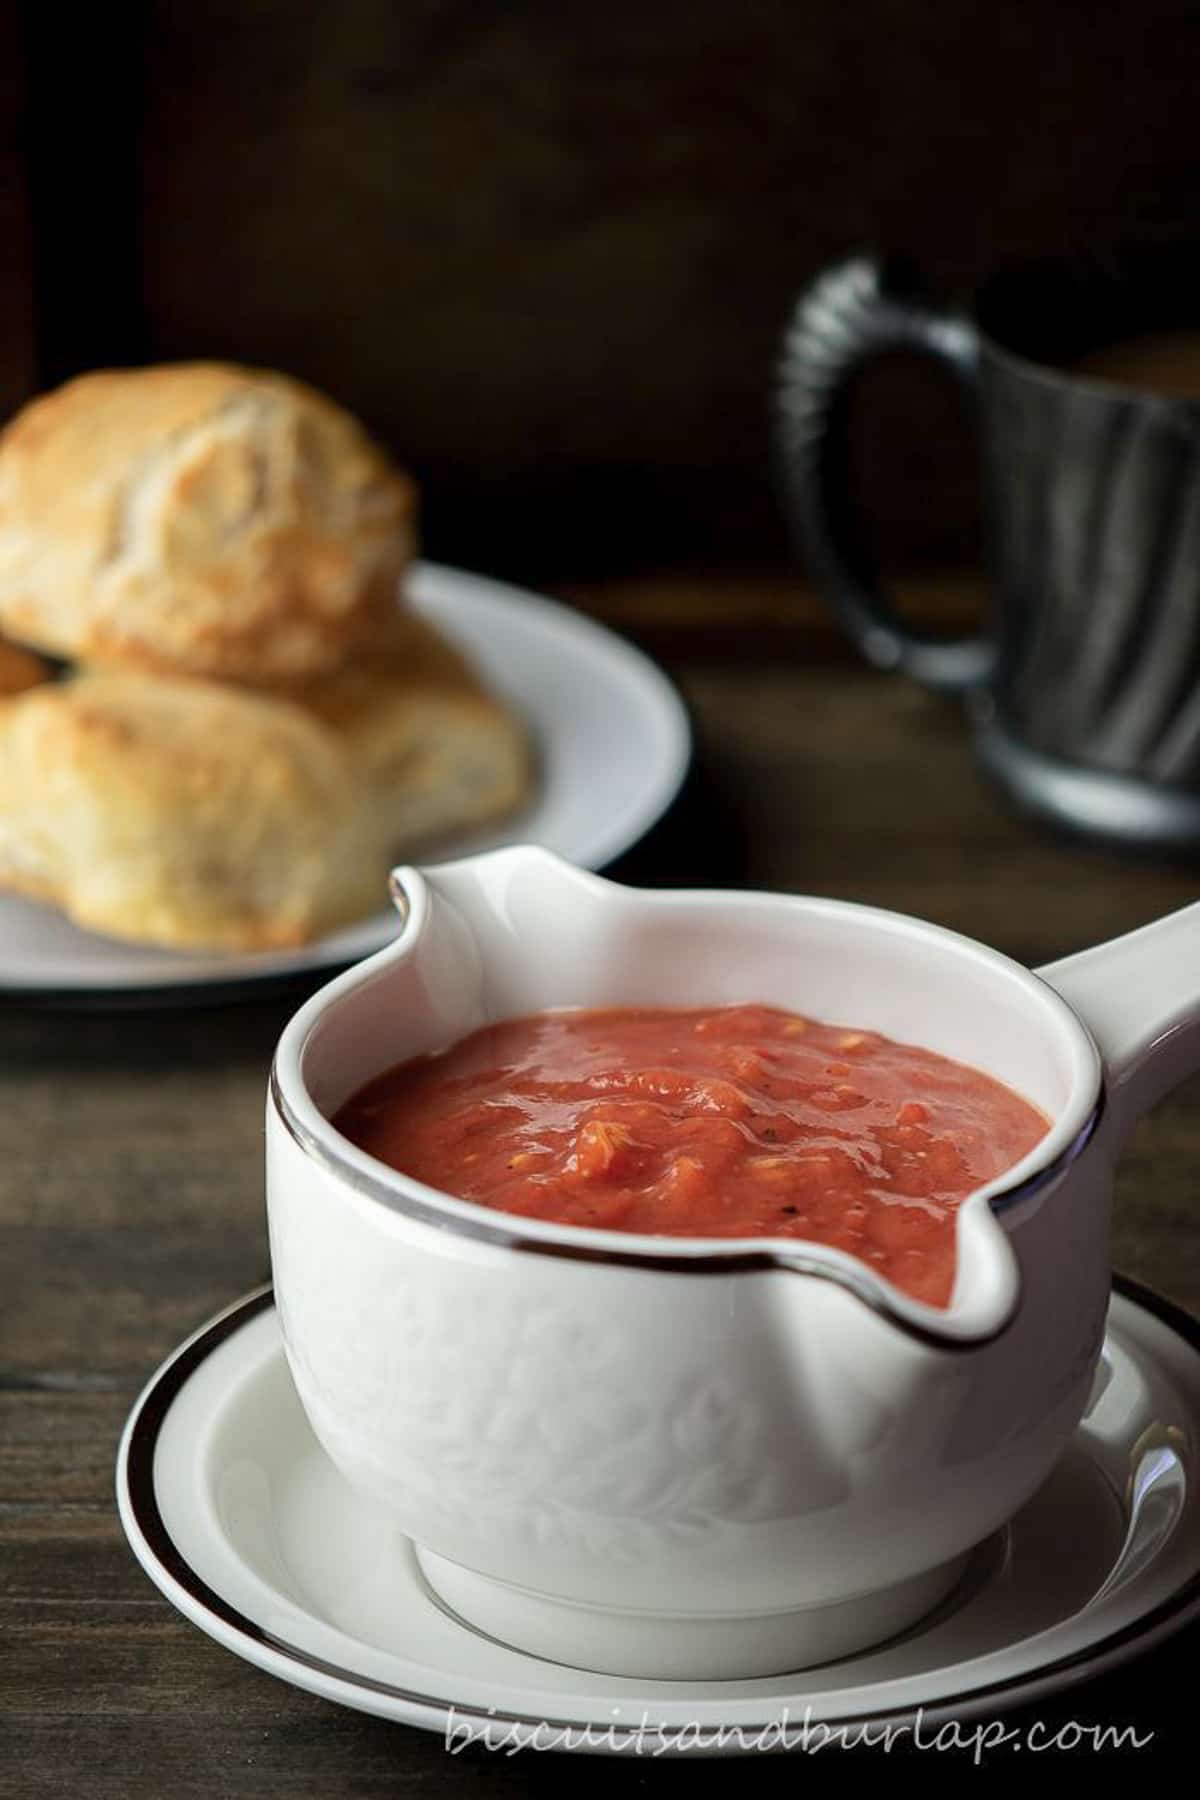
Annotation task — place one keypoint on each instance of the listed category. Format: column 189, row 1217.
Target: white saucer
column 236, row 1514
column 613, row 746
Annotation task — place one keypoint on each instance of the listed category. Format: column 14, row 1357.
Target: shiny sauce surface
column 734, row 1121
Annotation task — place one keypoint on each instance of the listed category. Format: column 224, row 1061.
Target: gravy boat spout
column 679, row 1456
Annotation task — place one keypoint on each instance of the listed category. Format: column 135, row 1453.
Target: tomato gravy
column 733, row 1121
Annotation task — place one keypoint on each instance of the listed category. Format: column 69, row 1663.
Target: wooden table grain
column 131, row 1208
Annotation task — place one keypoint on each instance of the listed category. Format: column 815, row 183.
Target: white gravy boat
column 689, row 1457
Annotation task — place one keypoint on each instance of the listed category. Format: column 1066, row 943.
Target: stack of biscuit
column 250, row 728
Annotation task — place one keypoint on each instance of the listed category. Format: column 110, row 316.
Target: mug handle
column 850, row 314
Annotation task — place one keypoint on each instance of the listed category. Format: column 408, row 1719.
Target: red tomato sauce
column 734, row 1121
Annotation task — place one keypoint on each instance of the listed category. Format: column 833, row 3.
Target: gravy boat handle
column 1139, row 996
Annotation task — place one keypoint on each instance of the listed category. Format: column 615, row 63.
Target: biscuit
column 181, row 813
column 198, row 518
column 433, row 752
column 200, row 815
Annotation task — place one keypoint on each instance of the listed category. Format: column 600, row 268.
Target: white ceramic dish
column 613, row 742
column 702, row 1457
column 240, row 1519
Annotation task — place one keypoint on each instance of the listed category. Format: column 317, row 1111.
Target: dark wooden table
column 131, row 1208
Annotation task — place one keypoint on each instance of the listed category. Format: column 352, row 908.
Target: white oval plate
column 613, row 745
column 240, row 1519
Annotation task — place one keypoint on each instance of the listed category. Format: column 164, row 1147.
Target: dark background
column 547, row 249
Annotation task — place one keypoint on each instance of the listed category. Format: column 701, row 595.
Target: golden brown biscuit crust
column 200, row 815
column 180, row 813
column 199, row 518
column 433, row 752
column 20, row 669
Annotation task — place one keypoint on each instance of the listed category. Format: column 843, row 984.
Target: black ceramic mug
column 1084, row 684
